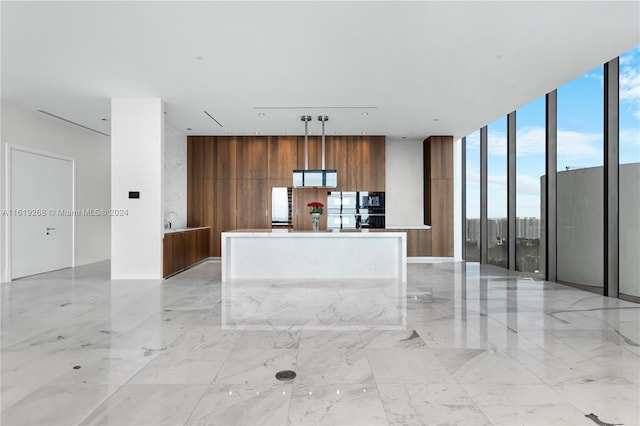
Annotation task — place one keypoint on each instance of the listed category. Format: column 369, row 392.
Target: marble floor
column 461, row 344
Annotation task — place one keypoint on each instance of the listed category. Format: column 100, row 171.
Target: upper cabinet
column 336, row 158
column 365, row 163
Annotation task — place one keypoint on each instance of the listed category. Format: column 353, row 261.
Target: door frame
column 8, row 184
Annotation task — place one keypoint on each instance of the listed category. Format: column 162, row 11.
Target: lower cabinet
column 183, row 249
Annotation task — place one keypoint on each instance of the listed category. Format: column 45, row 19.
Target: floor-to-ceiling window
column 530, row 167
column 497, row 226
column 580, row 215
column 580, row 180
column 629, row 176
column 472, row 197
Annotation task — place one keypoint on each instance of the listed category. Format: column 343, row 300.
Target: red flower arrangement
column 315, row 207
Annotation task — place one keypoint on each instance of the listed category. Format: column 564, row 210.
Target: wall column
column 611, row 178
column 484, row 223
column 137, row 141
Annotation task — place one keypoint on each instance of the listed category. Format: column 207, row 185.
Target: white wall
column 175, row 177
column 629, row 229
column 580, row 226
column 137, row 139
column 33, row 130
column 404, row 183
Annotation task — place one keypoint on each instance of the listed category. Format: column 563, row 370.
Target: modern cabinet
column 229, row 178
column 182, row 249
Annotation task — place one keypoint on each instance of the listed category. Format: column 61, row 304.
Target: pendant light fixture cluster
column 322, row 178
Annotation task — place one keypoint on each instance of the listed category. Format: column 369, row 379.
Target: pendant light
column 323, row 119
column 306, row 119
column 321, row 178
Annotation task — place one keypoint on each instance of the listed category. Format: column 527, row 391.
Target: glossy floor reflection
column 478, row 346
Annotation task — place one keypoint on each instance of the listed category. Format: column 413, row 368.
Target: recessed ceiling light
column 436, row 119
column 199, row 58
column 261, row 114
column 364, row 114
column 189, row 128
column 364, row 133
column 104, row 119
column 404, row 137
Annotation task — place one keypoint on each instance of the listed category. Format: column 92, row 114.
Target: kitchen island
column 266, row 253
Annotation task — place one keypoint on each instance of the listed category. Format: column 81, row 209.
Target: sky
column 580, row 139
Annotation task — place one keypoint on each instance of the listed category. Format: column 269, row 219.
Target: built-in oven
column 342, row 221
column 371, row 221
column 353, row 210
column 371, row 200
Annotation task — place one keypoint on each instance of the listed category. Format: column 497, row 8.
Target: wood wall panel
column 225, row 208
column 419, row 242
column 438, row 193
column 301, row 215
column 252, row 158
column 315, row 152
column 336, row 158
column 225, row 157
column 253, row 204
column 229, row 178
column 282, row 158
column 354, row 173
column 365, row 163
column 374, row 172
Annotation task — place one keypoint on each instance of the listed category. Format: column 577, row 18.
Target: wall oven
column 354, row 210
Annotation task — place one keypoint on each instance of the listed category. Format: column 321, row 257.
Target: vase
column 315, row 221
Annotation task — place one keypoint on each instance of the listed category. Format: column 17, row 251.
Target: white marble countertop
column 174, row 230
column 265, row 233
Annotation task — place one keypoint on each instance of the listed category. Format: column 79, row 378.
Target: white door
column 41, row 213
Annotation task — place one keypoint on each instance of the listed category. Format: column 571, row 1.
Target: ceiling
column 416, row 68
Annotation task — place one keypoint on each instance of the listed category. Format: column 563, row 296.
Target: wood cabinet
column 336, row 158
column 229, row 178
column 418, row 241
column 282, row 159
column 365, row 163
column 224, row 208
column 252, row 158
column 253, row 204
column 183, row 249
column 438, row 193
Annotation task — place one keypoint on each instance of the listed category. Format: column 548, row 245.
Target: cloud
column 630, row 137
column 630, row 82
column 530, row 140
column 496, row 183
column 574, row 145
column 473, row 141
column 596, row 76
column 497, row 142
column 527, row 185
